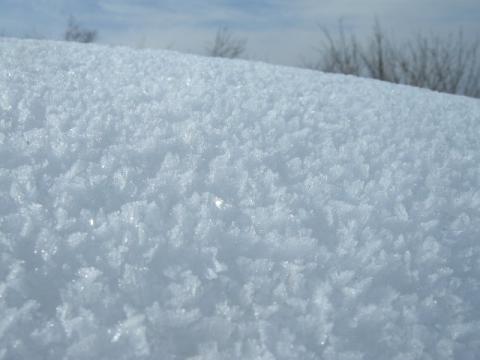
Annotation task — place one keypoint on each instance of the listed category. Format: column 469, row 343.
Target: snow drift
column 163, row 206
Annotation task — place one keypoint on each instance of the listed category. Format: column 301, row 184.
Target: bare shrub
column 226, row 45
column 75, row 32
column 339, row 54
column 448, row 64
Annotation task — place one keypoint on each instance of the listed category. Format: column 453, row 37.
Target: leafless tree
column 226, row 45
column 75, row 32
column 339, row 54
column 379, row 56
column 448, row 64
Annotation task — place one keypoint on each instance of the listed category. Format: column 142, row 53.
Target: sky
column 278, row 31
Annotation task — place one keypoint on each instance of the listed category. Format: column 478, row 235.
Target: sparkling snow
column 163, row 206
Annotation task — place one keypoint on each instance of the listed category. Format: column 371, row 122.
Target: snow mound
column 163, row 206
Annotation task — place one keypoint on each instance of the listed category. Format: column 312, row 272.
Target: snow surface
column 163, row 206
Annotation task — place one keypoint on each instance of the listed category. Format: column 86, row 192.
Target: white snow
column 163, row 206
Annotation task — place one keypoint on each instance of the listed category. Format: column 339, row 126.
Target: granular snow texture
column 163, row 206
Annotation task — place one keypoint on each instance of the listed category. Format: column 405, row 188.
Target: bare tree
column 339, row 54
column 379, row 56
column 75, row 32
column 448, row 65
column 443, row 64
column 226, row 45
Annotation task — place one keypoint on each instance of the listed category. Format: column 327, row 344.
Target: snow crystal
column 155, row 205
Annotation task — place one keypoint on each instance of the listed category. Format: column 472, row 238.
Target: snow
column 155, row 205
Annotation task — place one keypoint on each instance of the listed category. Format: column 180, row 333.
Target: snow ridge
column 155, row 205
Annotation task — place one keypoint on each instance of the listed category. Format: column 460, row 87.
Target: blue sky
column 279, row 31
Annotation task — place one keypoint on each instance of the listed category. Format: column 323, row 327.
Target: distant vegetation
column 226, row 45
column 75, row 32
column 448, row 64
